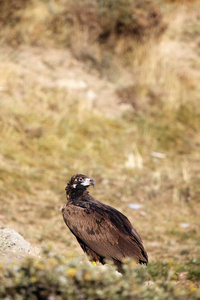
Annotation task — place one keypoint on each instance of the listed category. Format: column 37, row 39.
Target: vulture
column 101, row 230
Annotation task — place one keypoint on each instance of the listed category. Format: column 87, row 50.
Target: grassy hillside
column 119, row 103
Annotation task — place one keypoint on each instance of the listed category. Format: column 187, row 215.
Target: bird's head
column 79, row 182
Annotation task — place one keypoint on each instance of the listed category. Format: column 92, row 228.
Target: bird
column 102, row 231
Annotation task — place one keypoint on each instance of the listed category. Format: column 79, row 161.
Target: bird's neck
column 73, row 194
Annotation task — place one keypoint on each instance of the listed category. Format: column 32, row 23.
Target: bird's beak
column 92, row 182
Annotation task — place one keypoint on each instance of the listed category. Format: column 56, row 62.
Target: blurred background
column 109, row 89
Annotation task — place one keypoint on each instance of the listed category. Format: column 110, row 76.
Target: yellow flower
column 94, row 263
column 87, row 276
column 174, row 277
column 40, row 266
column 133, row 263
column 192, row 288
column 33, row 279
column 71, row 272
column 170, row 262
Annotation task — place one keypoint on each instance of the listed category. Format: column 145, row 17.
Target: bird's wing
column 100, row 229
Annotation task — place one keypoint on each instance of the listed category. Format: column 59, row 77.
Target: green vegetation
column 109, row 89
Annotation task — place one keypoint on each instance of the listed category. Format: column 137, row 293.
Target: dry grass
column 148, row 154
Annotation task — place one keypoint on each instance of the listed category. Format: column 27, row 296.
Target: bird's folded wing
column 104, row 236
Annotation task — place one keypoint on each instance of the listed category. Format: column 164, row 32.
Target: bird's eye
column 80, row 179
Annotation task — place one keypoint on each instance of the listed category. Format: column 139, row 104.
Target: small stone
column 135, row 205
column 184, row 225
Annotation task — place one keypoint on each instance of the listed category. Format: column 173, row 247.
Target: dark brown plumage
column 102, row 231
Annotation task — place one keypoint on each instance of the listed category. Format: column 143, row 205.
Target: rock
column 12, row 240
column 13, row 247
column 184, row 225
column 134, row 205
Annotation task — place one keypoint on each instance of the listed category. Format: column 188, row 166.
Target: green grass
column 160, row 270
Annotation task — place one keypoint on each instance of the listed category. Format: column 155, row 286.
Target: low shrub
column 62, row 278
column 11, row 11
column 107, row 21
